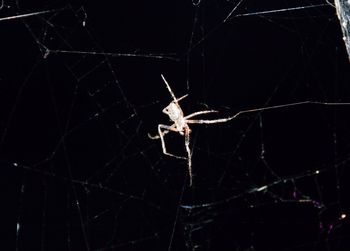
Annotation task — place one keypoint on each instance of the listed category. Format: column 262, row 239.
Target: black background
column 81, row 88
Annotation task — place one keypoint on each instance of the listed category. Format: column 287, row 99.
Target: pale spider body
column 176, row 115
column 180, row 125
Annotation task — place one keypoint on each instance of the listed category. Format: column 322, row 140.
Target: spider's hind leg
column 161, row 136
column 189, row 153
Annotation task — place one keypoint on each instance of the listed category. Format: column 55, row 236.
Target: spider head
column 173, row 111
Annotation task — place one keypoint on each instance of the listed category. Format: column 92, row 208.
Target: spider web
column 81, row 89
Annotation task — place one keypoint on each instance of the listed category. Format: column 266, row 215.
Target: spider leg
column 161, row 135
column 169, row 89
column 189, row 154
column 184, row 96
column 171, row 92
column 214, row 121
column 199, row 113
column 171, row 128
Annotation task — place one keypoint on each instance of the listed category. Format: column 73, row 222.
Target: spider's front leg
column 161, row 136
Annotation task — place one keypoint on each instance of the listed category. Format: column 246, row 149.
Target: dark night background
column 80, row 88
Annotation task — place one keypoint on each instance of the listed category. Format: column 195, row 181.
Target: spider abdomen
column 174, row 112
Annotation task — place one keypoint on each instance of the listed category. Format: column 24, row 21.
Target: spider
column 181, row 125
column 181, row 122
